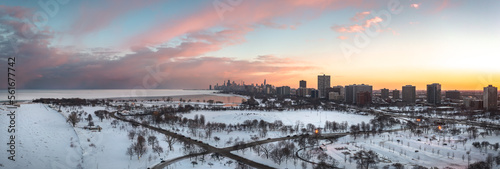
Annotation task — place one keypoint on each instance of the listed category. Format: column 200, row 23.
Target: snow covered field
column 45, row 140
column 42, row 138
column 315, row 117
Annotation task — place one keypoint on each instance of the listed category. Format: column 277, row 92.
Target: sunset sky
column 124, row 44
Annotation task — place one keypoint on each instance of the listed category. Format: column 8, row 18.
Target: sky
column 175, row 44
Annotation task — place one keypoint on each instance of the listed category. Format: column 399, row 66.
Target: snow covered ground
column 43, row 139
column 413, row 150
column 315, row 117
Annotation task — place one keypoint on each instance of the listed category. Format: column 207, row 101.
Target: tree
column 73, row 118
column 130, row 151
column 100, row 114
column 266, row 149
column 158, row 149
column 365, row 159
column 89, row 118
column 194, row 163
column 140, row 146
column 152, row 141
column 398, row 166
column 131, row 135
column 322, row 165
column 170, row 141
column 490, row 160
column 479, row 165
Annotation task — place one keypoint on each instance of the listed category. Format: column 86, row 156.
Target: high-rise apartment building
column 323, row 83
column 303, row 84
column 434, row 93
column 490, row 98
column 384, row 93
column 351, row 92
column 395, row 94
column 284, row 90
column 409, row 94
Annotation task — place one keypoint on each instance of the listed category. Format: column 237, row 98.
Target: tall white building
column 490, row 98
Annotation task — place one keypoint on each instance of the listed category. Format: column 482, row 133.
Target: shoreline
column 225, row 98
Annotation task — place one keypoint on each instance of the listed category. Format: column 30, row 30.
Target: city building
column 452, row 94
column 351, row 92
column 395, row 94
column 490, row 98
column 384, row 93
column 473, row 103
column 283, row 90
column 409, row 94
column 363, row 98
column 304, row 92
column 434, row 93
column 314, row 93
column 336, row 93
column 303, row 84
column 323, row 83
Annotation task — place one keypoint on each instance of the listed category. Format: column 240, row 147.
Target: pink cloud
column 343, row 37
column 360, row 16
column 185, row 65
column 369, row 22
column 356, row 27
column 348, row 29
column 416, row 6
column 14, row 11
column 245, row 15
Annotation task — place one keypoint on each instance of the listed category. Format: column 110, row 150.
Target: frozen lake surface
column 99, row 94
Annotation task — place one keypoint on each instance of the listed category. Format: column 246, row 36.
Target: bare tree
column 89, row 118
column 152, row 141
column 140, row 147
column 73, row 118
column 130, row 151
column 266, row 149
column 131, row 134
column 170, row 141
column 158, row 149
column 365, row 159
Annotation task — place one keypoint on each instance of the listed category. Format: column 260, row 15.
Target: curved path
column 208, row 148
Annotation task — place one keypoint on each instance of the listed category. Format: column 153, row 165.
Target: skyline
column 173, row 45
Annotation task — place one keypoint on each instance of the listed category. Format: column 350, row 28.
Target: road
column 208, row 148
column 227, row 150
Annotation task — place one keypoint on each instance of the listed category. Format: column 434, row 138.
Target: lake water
column 99, row 94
